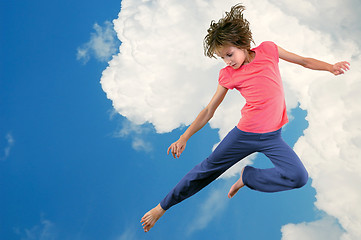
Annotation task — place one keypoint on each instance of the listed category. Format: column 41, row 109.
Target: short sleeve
column 271, row 49
column 224, row 79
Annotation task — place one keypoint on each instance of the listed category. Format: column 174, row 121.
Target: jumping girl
column 255, row 74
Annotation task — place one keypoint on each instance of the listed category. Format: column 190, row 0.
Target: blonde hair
column 232, row 29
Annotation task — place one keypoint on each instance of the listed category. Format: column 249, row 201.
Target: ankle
column 159, row 208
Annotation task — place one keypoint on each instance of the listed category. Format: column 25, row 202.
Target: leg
column 232, row 149
column 288, row 173
column 235, row 187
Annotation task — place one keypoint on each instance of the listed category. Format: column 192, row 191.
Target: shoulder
column 269, row 48
column 268, row 45
column 226, row 71
column 225, row 77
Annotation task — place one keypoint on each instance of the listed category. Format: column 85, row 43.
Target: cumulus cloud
column 336, row 18
column 102, row 44
column 9, row 144
column 326, row 228
column 331, row 145
column 160, row 76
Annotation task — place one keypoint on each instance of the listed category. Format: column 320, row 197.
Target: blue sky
column 69, row 167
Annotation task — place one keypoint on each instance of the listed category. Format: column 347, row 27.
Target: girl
column 255, row 73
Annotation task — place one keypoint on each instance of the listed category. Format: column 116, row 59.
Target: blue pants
column 288, row 171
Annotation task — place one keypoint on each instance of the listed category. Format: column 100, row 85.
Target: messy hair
column 232, row 29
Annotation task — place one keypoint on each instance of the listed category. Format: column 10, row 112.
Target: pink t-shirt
column 260, row 84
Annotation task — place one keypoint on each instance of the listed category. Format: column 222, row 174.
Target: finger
column 338, row 72
column 345, row 65
column 169, row 149
column 180, row 150
column 145, row 217
column 342, row 65
column 175, row 150
column 172, row 149
column 340, row 68
column 177, row 153
column 173, row 153
column 145, row 225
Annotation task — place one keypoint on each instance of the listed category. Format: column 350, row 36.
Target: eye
column 229, row 54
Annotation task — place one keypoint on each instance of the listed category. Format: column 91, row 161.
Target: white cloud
column 214, row 204
column 128, row 234
column 140, row 144
column 160, row 76
column 320, row 15
column 326, row 228
column 9, row 144
column 44, row 231
column 102, row 44
column 137, row 133
column 331, row 145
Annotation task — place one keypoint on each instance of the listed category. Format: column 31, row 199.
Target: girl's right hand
column 177, row 147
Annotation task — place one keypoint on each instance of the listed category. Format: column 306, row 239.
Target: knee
column 299, row 178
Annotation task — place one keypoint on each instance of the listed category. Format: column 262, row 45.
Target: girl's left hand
column 340, row 68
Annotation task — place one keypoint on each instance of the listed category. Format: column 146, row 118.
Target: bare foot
column 151, row 217
column 236, row 186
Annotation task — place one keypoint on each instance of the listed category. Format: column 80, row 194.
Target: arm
column 314, row 64
column 203, row 117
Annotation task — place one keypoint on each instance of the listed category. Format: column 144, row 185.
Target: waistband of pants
column 258, row 135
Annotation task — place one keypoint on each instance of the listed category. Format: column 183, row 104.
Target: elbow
column 208, row 113
column 305, row 62
column 210, row 116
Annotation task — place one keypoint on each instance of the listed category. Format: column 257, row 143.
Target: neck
column 249, row 56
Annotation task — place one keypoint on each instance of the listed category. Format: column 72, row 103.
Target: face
column 232, row 56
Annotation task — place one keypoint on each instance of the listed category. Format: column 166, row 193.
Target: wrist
column 184, row 138
column 330, row 68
